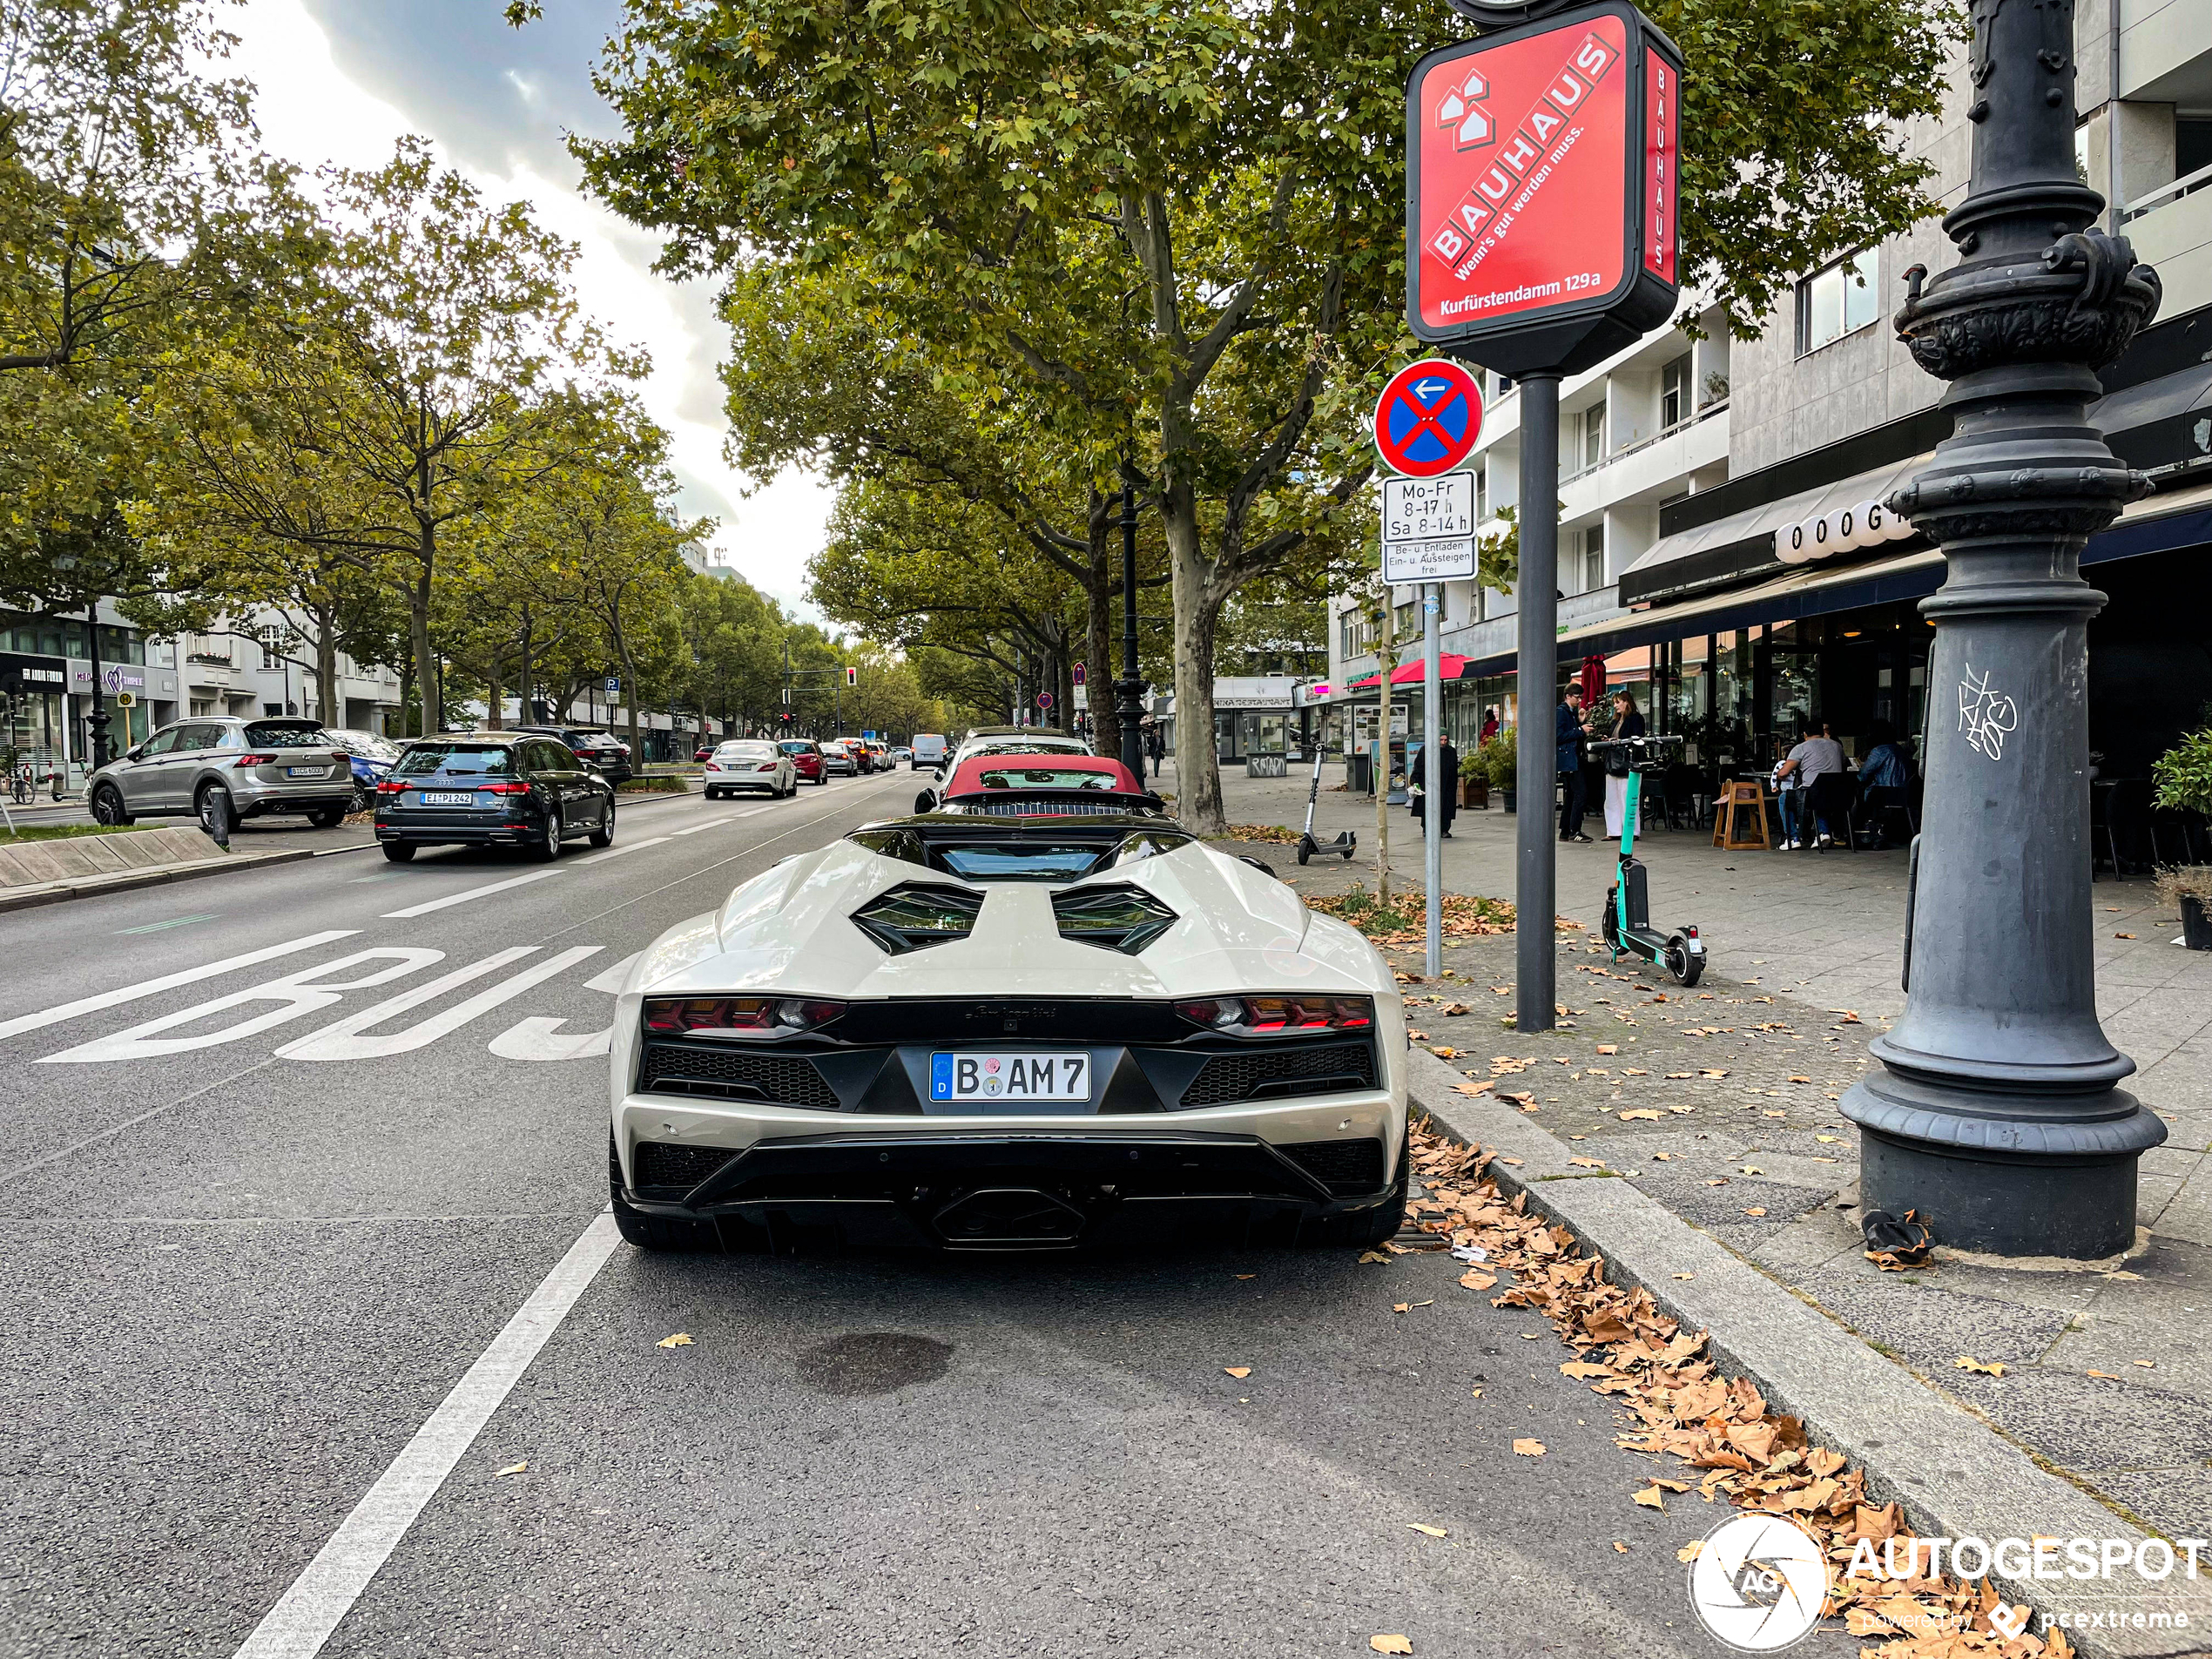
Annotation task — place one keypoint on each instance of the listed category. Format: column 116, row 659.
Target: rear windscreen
column 286, row 737
column 456, row 759
column 799, row 747
column 1019, row 862
column 1044, row 778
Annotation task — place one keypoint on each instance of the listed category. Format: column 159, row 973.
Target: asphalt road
column 286, row 1155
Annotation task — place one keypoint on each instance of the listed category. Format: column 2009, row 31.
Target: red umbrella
column 1593, row 681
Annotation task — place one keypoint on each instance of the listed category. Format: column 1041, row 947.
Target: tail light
column 714, row 765
column 739, row 1016
column 1276, row 1016
column 507, row 789
column 388, row 786
column 255, row 761
column 766, row 765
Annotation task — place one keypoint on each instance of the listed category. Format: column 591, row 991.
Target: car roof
column 478, row 737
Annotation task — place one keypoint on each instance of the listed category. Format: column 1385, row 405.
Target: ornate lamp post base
column 1997, row 1115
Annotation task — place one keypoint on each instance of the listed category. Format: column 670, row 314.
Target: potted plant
column 1498, row 762
column 2189, row 886
column 2183, row 777
column 1475, row 782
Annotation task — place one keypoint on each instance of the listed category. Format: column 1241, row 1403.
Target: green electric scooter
column 1627, row 927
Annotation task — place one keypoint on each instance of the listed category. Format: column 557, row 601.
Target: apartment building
column 1716, row 555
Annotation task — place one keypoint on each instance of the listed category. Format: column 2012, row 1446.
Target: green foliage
column 1496, row 759
column 2183, row 774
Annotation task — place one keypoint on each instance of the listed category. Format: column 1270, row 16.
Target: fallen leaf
column 2147, row 1364
column 1639, row 1112
column 516, row 1468
column 1691, row 1551
column 1620, row 1548
column 1472, row 1088
column 1426, row 1532
column 1587, row 1163
column 1683, row 1276
column 1367, row 1256
column 1829, row 1140
column 1609, row 1048
column 1529, row 1448
column 1967, row 1362
column 1652, row 1498
column 1759, row 1209
column 1238, row 1372
column 1750, row 1168
column 681, row 1340
column 1585, row 1368
column 1475, row 1280
column 2107, row 1375
column 1535, row 1336
column 1664, row 1157
column 1247, row 1276
column 1407, row 1307
column 1800, row 1080
column 1390, row 1644
column 2123, row 936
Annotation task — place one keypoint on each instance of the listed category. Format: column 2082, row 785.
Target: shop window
column 1674, row 392
column 1839, row 300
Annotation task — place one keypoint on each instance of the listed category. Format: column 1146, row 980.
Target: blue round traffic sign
column 1428, row 418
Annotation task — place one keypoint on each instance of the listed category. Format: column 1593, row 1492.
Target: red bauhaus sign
column 1541, row 190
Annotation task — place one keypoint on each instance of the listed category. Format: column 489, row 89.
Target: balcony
column 2171, row 229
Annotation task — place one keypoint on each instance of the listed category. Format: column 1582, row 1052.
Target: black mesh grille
column 660, row 1164
column 697, row 1068
column 1343, row 1166
column 1266, row 1073
column 1031, row 806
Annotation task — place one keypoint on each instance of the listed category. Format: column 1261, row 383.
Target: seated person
column 1817, row 755
column 1886, row 775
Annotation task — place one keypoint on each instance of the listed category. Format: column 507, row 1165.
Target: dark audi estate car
column 491, row 789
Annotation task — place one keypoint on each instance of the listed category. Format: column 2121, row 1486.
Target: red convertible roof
column 992, row 774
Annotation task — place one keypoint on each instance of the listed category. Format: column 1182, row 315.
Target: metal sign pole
column 1431, row 772
column 1535, row 994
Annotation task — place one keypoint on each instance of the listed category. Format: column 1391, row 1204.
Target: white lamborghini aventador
column 1041, row 1015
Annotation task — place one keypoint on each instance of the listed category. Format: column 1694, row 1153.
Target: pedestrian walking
column 1626, row 723
column 1570, row 733
column 1447, row 772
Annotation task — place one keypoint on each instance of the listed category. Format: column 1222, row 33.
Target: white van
column 929, row 750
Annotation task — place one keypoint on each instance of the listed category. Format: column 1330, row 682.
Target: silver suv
column 270, row 765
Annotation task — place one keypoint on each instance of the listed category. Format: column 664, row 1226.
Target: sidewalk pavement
column 1721, row 1103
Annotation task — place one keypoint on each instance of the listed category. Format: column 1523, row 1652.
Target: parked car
column 988, row 742
column 807, row 759
column 836, row 758
column 608, row 754
column 929, row 749
column 262, row 767
column 842, row 1055
column 491, row 789
column 749, row 762
column 900, row 751
column 879, row 757
column 372, row 757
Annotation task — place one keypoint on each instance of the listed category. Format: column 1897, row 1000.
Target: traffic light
column 852, row 677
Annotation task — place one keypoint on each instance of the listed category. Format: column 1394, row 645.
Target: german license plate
column 306, row 771
column 1056, row 1075
column 434, row 798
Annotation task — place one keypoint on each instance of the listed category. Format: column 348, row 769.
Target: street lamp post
column 1129, row 690
column 1995, row 1114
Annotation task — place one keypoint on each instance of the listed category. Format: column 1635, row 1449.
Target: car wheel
column 107, row 806
column 326, row 816
column 399, row 852
column 710, row 794
column 604, row 835
column 203, row 807
column 547, row 847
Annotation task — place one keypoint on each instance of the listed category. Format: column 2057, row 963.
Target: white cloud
column 311, row 111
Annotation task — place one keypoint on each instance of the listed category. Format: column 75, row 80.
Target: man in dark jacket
column 1448, row 772
column 1568, row 734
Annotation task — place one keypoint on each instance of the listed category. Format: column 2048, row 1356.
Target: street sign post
column 1044, row 699
column 1541, row 162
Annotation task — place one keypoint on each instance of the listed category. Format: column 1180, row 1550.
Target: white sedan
column 749, row 764
column 1043, row 1016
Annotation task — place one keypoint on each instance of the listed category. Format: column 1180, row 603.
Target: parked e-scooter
column 1307, row 846
column 1627, row 926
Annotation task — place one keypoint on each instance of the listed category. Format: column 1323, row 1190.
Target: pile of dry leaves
column 1402, row 922
column 1723, row 1440
column 1272, row 834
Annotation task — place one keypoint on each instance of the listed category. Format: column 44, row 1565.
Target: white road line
column 426, row 908
column 167, row 981
column 299, row 1625
column 627, row 846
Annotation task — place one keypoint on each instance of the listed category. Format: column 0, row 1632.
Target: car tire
column 203, row 806
column 604, row 835
column 399, row 852
column 326, row 816
column 647, row 1231
column 712, row 794
column 547, row 847
column 107, row 806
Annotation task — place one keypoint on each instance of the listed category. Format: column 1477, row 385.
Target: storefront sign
column 1540, row 223
column 1846, row 529
column 21, row 675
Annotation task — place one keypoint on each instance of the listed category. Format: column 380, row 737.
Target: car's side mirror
column 926, row 801
column 138, row 753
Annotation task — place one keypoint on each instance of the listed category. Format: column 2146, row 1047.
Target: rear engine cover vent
column 1124, row 919
column 909, row 917
column 660, row 1163
column 1265, row 1073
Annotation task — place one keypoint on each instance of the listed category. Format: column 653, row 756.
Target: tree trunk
column 493, row 697
column 1103, row 666
column 418, row 629
column 1197, row 610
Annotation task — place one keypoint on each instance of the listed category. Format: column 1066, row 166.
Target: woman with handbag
column 1626, row 723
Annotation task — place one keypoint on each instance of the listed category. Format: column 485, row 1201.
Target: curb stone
column 90, row 886
column 1955, row 1476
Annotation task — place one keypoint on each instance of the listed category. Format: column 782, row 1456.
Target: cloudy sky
column 340, row 80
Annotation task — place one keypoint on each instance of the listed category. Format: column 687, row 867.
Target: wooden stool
column 1742, row 796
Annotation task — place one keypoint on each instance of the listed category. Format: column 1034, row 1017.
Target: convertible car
column 1042, row 1015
